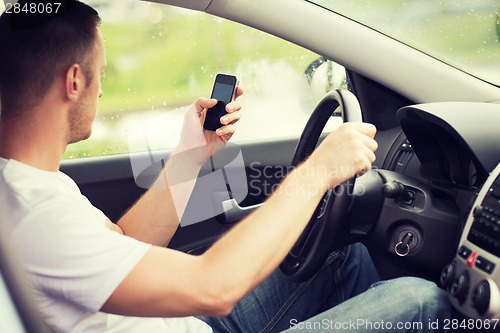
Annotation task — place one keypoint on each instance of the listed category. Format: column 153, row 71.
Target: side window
column 160, row 59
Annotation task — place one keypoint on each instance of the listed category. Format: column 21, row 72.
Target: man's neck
column 33, row 142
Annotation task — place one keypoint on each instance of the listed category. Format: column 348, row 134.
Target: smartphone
column 224, row 91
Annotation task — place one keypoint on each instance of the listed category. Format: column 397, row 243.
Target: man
column 91, row 275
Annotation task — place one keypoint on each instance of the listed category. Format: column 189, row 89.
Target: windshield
column 464, row 34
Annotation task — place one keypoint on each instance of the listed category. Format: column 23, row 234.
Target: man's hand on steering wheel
column 346, row 152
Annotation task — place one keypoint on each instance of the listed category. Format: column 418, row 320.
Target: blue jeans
column 344, row 296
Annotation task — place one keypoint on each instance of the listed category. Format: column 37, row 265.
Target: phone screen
column 223, row 92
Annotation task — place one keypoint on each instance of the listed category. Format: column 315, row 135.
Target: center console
column 472, row 279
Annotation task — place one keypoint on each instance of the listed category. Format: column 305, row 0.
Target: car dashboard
column 473, row 276
column 448, row 154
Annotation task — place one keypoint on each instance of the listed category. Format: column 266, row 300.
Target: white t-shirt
column 75, row 262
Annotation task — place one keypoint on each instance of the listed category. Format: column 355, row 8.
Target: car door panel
column 110, row 184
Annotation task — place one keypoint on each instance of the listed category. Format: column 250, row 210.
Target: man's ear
column 74, row 82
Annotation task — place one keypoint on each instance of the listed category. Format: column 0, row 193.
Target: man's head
column 38, row 50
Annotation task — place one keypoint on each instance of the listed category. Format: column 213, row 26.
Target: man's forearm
column 155, row 217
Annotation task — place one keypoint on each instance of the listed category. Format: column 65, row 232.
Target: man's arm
column 154, row 218
column 170, row 283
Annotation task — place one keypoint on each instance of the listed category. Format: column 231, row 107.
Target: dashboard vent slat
column 402, row 157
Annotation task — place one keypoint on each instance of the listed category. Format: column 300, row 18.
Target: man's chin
column 80, row 138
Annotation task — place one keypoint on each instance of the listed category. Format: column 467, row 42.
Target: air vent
column 402, row 157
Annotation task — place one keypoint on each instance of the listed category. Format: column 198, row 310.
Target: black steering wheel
column 320, row 236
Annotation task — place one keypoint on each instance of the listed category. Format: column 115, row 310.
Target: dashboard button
column 485, row 265
column 464, row 252
column 494, row 191
column 478, row 211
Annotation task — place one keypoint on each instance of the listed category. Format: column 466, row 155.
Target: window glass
column 160, row 59
column 464, row 34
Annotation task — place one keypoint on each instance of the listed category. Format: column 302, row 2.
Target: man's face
column 83, row 114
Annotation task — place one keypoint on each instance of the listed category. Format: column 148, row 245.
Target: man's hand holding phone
column 193, row 134
column 224, row 91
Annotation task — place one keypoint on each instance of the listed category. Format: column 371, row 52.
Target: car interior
column 429, row 207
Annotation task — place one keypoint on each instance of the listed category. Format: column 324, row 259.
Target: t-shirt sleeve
column 73, row 256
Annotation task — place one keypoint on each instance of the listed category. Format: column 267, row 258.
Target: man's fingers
column 371, row 156
column 233, row 106
column 239, row 92
column 226, row 130
column 230, row 118
column 204, row 103
column 364, row 128
column 370, row 143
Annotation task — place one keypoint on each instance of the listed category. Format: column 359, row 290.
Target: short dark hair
column 36, row 48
